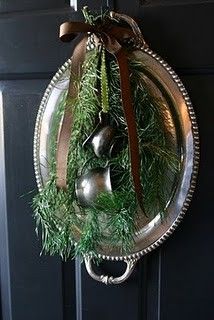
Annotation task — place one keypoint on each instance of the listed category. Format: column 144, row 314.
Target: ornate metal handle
column 139, row 41
column 110, row 279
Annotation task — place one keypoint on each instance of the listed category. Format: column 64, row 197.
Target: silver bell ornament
column 90, row 184
column 102, row 139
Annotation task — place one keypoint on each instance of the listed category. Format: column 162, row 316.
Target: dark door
column 174, row 282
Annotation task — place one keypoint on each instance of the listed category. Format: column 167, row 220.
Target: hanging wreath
column 114, row 157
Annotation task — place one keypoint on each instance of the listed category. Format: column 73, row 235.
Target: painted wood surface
column 174, row 282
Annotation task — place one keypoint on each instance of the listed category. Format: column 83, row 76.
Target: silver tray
column 154, row 231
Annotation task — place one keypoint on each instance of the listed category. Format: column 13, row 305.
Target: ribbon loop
column 69, row 30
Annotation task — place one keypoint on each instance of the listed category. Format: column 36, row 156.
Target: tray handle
column 130, row 265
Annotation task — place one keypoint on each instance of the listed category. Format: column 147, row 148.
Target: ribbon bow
column 113, row 39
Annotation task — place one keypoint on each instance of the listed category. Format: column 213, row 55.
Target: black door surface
column 174, row 282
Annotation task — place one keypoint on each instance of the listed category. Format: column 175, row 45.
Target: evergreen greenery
column 111, row 220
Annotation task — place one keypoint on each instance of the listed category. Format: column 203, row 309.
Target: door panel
column 35, row 282
column 106, row 302
column 178, row 33
column 187, row 260
column 170, row 2
column 30, row 43
column 14, row 5
column 173, row 282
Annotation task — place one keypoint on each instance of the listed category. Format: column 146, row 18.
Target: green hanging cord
column 87, row 15
column 104, row 84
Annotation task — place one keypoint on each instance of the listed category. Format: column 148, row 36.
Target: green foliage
column 159, row 161
column 95, row 18
column 55, row 209
column 111, row 221
column 119, row 208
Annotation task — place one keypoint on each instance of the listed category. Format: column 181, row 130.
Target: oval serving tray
column 151, row 231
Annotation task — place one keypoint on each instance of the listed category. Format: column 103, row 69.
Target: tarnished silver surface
column 102, row 141
column 152, row 231
column 92, row 183
column 130, row 265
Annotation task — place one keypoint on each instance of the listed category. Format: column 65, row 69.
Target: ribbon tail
column 65, row 129
column 131, row 123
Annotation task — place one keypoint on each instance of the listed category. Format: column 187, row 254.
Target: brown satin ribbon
column 112, row 38
column 66, row 125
